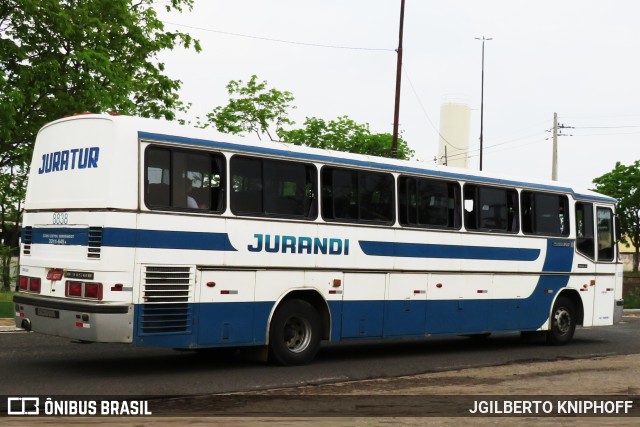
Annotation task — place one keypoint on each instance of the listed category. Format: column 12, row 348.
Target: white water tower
column 455, row 120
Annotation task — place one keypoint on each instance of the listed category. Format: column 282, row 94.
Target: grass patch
column 632, row 299
column 6, row 304
column 6, row 296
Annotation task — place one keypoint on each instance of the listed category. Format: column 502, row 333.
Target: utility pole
column 396, row 113
column 554, row 164
column 482, row 96
column 557, row 131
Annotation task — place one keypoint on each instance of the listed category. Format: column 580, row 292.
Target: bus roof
column 175, row 133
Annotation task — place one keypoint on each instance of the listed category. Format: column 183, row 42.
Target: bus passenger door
column 605, row 283
column 584, row 262
column 363, row 305
column 405, row 305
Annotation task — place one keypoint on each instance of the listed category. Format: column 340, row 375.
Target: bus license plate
column 45, row 312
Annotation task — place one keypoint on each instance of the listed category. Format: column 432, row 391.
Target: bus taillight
column 93, row 290
column 73, row 289
column 34, row 284
column 83, row 290
column 30, row 284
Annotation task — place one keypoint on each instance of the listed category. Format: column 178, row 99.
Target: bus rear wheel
column 294, row 335
column 563, row 322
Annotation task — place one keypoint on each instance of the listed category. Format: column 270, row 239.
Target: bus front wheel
column 294, row 335
column 563, row 322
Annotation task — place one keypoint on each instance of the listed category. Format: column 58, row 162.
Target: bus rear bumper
column 617, row 310
column 78, row 320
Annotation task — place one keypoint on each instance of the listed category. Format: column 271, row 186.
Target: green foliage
column 6, row 304
column 344, row 134
column 252, row 108
column 12, row 191
column 6, row 296
column 632, row 299
column 623, row 183
column 8, row 279
column 60, row 57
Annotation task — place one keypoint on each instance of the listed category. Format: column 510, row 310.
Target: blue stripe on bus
column 245, row 324
column 361, row 163
column 427, row 250
column 132, row 238
column 161, row 239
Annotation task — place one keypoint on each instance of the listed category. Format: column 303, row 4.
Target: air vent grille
column 94, row 243
column 168, row 284
column 26, row 240
column 166, row 296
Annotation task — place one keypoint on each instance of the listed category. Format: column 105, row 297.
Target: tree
column 623, row 183
column 60, row 57
column 344, row 134
column 252, row 108
column 255, row 108
column 12, row 186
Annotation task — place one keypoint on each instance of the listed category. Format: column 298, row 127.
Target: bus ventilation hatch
column 95, row 242
column 166, row 297
column 26, row 240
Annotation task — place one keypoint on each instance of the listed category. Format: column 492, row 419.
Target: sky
column 579, row 58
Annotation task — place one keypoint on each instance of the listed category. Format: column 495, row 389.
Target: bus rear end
column 77, row 252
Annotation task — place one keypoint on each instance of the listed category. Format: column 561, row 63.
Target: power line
column 249, row 36
column 510, row 148
column 605, row 127
column 609, row 133
column 510, row 141
column 424, row 111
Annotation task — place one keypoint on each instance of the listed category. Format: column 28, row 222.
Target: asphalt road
column 37, row 364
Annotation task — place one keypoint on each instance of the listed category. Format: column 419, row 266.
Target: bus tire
column 294, row 335
column 563, row 322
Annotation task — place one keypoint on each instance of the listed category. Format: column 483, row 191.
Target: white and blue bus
column 150, row 233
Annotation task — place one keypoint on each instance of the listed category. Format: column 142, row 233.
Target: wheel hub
column 297, row 334
column 563, row 320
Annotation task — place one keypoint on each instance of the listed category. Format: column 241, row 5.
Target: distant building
column 626, row 253
column 454, row 134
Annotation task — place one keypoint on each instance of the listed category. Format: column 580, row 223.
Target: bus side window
column 246, row 188
column 357, row 196
column 431, row 203
column 491, row 209
column 470, row 207
column 184, row 179
column 269, row 187
column 544, row 214
column 584, row 229
column 157, row 177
